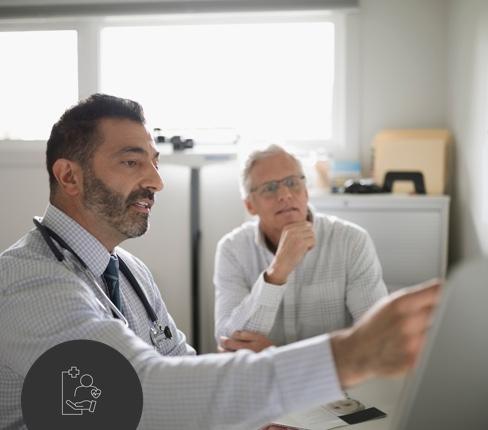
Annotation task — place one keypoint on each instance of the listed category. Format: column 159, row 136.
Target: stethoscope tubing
column 77, row 267
column 65, row 253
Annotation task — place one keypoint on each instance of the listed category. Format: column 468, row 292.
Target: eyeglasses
column 270, row 189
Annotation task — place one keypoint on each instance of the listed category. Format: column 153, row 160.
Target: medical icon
column 78, row 394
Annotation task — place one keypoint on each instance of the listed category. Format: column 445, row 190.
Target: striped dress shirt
column 42, row 304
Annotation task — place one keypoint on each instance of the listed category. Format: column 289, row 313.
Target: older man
column 291, row 274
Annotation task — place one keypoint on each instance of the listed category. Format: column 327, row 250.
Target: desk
column 196, row 158
column 383, row 394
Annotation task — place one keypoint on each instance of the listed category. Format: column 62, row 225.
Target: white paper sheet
column 318, row 418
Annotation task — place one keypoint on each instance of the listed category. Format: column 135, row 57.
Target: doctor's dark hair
column 75, row 136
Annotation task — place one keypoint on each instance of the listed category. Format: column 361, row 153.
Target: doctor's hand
column 387, row 340
column 242, row 339
column 296, row 240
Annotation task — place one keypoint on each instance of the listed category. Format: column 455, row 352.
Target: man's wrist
column 351, row 367
column 272, row 276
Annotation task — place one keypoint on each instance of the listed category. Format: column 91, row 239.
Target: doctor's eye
column 130, row 163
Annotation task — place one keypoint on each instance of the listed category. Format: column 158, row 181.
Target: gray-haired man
column 291, row 274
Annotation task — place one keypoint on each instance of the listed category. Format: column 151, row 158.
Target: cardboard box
column 423, row 150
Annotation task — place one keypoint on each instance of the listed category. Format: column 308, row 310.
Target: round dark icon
column 81, row 384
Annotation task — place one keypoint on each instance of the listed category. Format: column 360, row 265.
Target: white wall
column 467, row 115
column 403, row 67
column 222, row 210
column 21, row 174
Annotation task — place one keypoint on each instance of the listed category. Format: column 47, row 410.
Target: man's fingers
column 298, row 229
column 245, row 339
column 310, row 243
column 231, row 344
column 243, row 335
column 220, row 348
column 304, row 236
column 234, row 345
column 227, row 344
column 298, row 225
column 410, row 333
column 417, row 297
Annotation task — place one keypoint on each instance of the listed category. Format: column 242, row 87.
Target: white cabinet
column 409, row 232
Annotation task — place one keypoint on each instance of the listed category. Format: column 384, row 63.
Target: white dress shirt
column 334, row 284
column 42, row 304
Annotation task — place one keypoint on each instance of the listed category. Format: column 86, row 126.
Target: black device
column 179, row 144
column 361, row 186
column 416, row 177
column 158, row 137
column 364, row 415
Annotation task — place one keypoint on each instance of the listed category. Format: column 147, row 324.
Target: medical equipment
column 73, row 262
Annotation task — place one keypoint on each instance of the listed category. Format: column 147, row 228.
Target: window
column 267, row 75
column 267, row 80
column 38, row 81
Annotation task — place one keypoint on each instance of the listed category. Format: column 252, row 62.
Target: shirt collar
column 260, row 239
column 86, row 246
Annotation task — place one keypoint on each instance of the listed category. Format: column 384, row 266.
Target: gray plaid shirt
column 335, row 283
column 42, row 304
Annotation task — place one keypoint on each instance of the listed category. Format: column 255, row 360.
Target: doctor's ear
column 68, row 175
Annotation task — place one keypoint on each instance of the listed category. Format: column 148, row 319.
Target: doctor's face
column 122, row 178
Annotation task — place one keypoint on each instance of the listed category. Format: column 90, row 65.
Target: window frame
column 343, row 141
column 87, row 44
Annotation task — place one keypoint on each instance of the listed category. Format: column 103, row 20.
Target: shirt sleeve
column 365, row 283
column 240, row 305
column 215, row 391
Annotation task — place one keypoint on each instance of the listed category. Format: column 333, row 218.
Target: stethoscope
column 157, row 332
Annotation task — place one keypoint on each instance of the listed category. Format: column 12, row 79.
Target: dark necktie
column 111, row 277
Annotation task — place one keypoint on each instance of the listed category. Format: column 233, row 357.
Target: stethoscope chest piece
column 157, row 331
column 159, row 334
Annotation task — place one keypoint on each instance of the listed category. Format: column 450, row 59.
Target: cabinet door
column 408, row 242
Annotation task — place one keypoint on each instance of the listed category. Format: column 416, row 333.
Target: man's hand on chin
column 295, row 241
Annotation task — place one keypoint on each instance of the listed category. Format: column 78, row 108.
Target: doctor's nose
column 153, row 179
